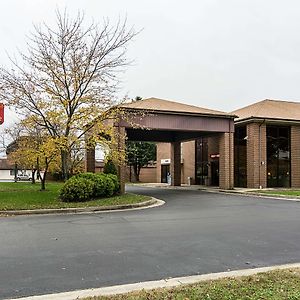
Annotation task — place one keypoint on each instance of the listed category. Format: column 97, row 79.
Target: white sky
column 212, row 53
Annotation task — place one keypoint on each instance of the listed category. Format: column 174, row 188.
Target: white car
column 23, row 177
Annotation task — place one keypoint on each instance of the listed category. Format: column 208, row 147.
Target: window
column 278, row 156
column 201, row 160
column 240, row 157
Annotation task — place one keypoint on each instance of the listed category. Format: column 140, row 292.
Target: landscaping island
column 25, row 196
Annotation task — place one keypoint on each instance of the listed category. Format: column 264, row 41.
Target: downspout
column 260, row 162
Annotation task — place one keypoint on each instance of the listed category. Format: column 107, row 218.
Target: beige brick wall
column 295, row 156
column 163, row 152
column 256, row 159
column 148, row 174
column 188, row 155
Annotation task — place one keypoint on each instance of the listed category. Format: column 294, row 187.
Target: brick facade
column 188, row 159
column 226, row 150
column 163, row 151
column 175, row 167
column 295, row 156
column 256, row 155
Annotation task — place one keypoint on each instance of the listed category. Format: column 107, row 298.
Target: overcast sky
column 220, row 54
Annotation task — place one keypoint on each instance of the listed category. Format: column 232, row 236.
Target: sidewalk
column 215, row 189
column 193, row 187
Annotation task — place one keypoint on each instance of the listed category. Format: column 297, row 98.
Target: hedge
column 86, row 186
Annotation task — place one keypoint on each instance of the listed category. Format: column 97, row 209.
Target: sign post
column 1, row 113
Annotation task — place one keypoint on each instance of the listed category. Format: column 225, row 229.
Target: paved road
column 193, row 233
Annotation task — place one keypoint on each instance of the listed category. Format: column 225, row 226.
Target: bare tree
column 68, row 78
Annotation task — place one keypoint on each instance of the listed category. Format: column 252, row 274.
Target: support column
column 295, row 157
column 256, row 155
column 90, row 161
column 226, row 150
column 121, row 166
column 176, row 163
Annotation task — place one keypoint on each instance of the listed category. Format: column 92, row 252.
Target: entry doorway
column 165, row 172
column 214, row 165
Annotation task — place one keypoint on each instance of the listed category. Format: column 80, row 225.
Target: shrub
column 115, row 180
column 99, row 181
column 110, row 168
column 109, row 184
column 77, row 189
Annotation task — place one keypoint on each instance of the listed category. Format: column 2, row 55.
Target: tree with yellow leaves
column 67, row 81
column 34, row 149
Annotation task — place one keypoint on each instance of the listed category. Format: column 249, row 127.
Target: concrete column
column 176, row 163
column 256, row 155
column 226, row 160
column 295, row 156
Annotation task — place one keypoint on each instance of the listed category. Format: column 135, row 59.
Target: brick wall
column 256, row 159
column 295, row 156
column 163, row 151
column 188, row 167
column 226, row 160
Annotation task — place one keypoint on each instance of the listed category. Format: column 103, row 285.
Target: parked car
column 23, row 177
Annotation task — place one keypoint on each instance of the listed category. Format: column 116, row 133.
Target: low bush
column 115, row 180
column 98, row 185
column 77, row 189
column 109, row 188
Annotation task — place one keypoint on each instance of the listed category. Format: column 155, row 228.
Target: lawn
column 293, row 193
column 276, row 285
column 24, row 195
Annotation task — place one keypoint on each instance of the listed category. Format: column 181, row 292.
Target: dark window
column 201, row 161
column 278, row 156
column 240, row 157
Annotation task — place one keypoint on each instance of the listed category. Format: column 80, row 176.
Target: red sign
column 1, row 113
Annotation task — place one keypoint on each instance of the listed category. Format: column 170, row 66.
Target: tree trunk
column 64, row 165
column 43, row 178
column 33, row 171
column 136, row 173
column 16, row 172
column 43, row 182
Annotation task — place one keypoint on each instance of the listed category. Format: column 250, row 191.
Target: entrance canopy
column 168, row 121
column 159, row 120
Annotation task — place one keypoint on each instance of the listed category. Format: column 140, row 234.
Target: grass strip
column 24, row 195
column 275, row 285
column 295, row 193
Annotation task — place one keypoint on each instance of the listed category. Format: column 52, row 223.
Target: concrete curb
column 261, row 195
column 153, row 202
column 149, row 285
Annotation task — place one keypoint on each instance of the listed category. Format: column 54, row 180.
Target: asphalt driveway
column 193, row 233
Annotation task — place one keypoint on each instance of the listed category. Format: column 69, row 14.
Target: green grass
column 276, row 285
column 282, row 192
column 24, row 195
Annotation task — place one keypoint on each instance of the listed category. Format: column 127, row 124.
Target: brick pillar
column 226, row 160
column 256, row 155
column 295, row 156
column 90, row 163
column 176, row 163
column 121, row 166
